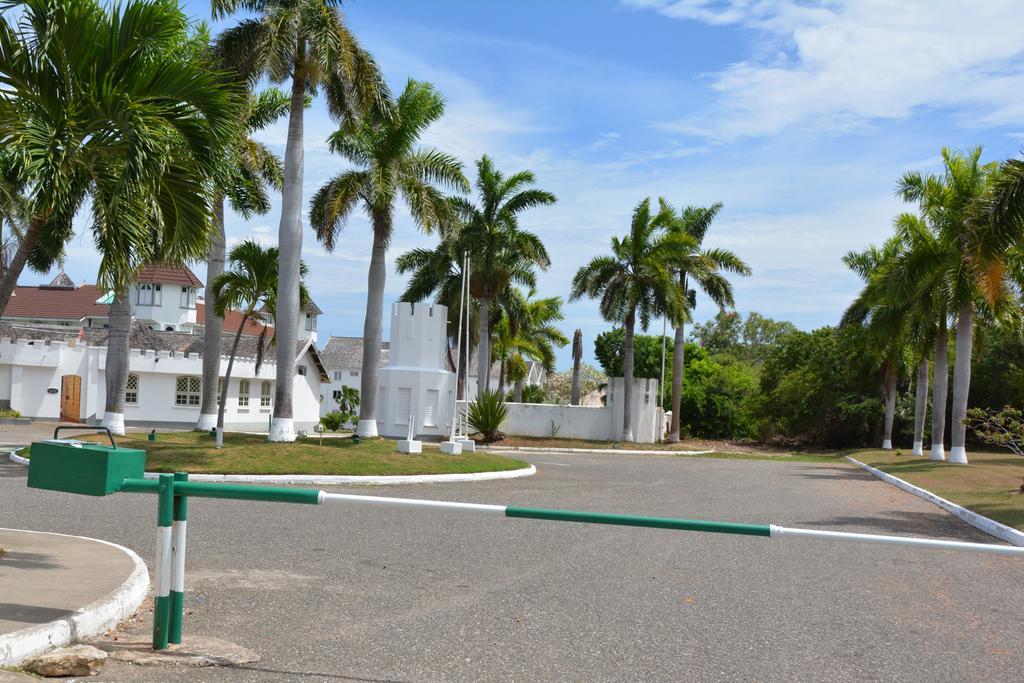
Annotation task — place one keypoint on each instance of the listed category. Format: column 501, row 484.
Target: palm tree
column 703, row 270
column 882, row 321
column 63, row 117
column 527, row 334
column 388, row 164
column 637, row 281
column 248, row 286
column 249, row 169
column 305, row 42
column 577, row 357
column 971, row 264
column 502, row 253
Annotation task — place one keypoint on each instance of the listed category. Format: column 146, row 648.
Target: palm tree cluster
column 954, row 264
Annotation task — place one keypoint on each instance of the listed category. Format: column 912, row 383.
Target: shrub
column 487, row 414
column 9, row 412
column 532, row 393
column 332, row 421
column 1004, row 428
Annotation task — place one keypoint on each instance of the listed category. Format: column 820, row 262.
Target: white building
column 416, row 383
column 343, row 358
column 50, row 374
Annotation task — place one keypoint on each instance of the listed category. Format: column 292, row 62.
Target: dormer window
column 188, row 297
column 150, row 295
column 310, row 322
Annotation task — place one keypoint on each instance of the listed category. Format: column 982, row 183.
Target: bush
column 332, row 421
column 9, row 412
column 487, row 414
column 532, row 393
column 1004, row 428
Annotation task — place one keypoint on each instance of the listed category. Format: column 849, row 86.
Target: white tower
column 416, row 381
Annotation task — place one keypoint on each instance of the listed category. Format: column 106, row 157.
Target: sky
column 798, row 116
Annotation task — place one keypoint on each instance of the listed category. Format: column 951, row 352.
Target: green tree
column 637, row 282
column 248, row 285
column 306, row 43
column 531, row 335
column 703, row 270
column 249, row 169
column 387, row 164
column 609, row 350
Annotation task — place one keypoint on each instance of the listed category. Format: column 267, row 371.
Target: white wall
column 346, row 379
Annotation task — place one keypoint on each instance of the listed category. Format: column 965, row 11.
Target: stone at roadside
column 76, row 660
column 195, row 651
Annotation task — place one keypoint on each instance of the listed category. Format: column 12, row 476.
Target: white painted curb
column 989, row 526
column 341, row 479
column 91, row 620
column 590, row 451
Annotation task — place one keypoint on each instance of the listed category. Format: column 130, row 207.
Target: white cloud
column 842, row 66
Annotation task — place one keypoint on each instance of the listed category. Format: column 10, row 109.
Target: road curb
column 590, row 451
column 86, row 622
column 341, row 479
column 986, row 524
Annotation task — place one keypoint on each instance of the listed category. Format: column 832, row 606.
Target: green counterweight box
column 88, row 468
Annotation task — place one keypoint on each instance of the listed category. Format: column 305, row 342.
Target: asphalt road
column 346, row 593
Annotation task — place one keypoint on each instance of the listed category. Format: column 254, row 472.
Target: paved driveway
column 345, row 593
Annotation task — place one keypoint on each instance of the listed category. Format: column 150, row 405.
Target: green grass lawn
column 724, row 450
column 989, row 485
column 194, row 452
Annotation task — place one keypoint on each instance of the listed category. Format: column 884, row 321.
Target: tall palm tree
column 307, row 43
column 577, row 358
column 249, row 285
column 702, row 270
column 637, row 282
column 971, row 263
column 388, row 164
column 502, row 252
column 70, row 71
column 249, row 169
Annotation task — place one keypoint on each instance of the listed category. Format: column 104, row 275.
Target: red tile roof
column 53, row 302
column 173, row 275
column 232, row 319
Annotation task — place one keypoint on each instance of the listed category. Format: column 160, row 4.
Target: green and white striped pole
column 164, row 517
column 178, row 534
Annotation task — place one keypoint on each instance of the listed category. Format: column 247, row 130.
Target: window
column 353, row 373
column 243, row 393
column 265, row 395
column 187, row 298
column 300, row 370
column 187, row 391
column 336, row 396
column 337, row 375
column 131, row 390
column 150, row 295
column 310, row 321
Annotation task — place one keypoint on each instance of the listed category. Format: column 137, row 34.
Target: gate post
column 164, row 517
column 178, row 534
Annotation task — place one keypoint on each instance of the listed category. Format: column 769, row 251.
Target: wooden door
column 70, row 398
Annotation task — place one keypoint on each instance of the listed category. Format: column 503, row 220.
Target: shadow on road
column 936, row 524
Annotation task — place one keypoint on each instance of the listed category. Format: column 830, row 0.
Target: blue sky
column 798, row 116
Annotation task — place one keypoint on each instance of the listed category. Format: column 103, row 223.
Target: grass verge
column 195, row 452
column 726, row 450
column 989, row 485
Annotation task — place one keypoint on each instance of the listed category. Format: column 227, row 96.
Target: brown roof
column 173, row 275
column 56, row 302
column 232, row 319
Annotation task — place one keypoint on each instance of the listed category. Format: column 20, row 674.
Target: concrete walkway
column 53, row 586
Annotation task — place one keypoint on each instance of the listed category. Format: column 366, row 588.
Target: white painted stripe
column 780, row 532
column 178, row 556
column 411, row 503
column 163, row 561
column 344, row 480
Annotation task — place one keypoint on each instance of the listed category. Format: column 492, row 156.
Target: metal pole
column 465, row 394
column 661, row 384
column 178, row 533
column 164, row 518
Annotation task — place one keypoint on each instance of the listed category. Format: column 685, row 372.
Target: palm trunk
column 289, row 244
column 501, row 379
column 227, row 379
column 962, row 382
column 10, row 278
column 213, row 323
column 940, row 382
column 373, row 330
column 518, row 391
column 890, row 406
column 678, row 349
column 577, row 357
column 920, row 405
column 483, row 346
column 627, row 379
column 115, row 376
